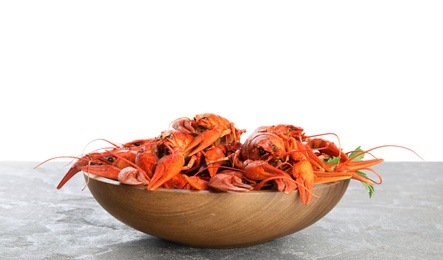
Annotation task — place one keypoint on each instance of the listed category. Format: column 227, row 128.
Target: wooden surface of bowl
column 213, row 219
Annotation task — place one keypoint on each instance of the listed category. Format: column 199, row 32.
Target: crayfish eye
column 109, row 159
column 136, row 144
column 274, row 147
column 262, row 151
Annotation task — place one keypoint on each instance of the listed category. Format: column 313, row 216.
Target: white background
column 75, row 71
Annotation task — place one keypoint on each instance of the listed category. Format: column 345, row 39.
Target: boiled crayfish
column 206, row 153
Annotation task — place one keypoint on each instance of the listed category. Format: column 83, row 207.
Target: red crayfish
column 206, row 153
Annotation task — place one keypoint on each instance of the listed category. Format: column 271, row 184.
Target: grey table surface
column 403, row 220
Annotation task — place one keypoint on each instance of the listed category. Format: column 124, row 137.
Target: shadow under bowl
column 214, row 219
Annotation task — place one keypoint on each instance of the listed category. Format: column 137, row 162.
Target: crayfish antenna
column 56, row 157
column 338, row 140
column 356, row 176
column 102, row 139
column 356, row 166
column 103, row 148
column 359, row 153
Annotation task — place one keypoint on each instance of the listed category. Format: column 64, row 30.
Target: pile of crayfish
column 206, row 153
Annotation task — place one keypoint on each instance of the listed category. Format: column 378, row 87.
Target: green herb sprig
column 360, row 155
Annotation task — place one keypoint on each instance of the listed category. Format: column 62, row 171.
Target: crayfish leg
column 325, row 177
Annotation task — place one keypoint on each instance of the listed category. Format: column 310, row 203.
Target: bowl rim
column 143, row 187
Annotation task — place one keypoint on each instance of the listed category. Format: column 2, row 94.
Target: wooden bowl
column 213, row 219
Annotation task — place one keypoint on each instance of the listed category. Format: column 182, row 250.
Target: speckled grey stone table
column 403, row 220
